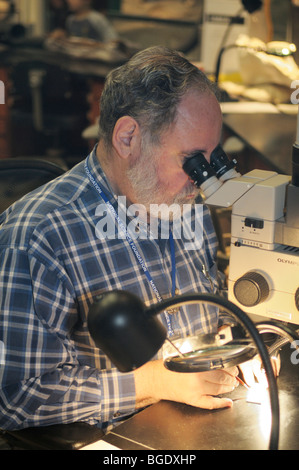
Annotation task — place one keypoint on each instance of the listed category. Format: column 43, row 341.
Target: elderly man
column 57, row 255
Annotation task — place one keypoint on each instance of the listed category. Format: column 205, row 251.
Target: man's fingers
column 253, row 371
column 208, row 402
column 220, row 382
column 276, row 363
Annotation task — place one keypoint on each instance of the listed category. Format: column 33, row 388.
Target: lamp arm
column 226, row 48
column 193, row 298
column 219, row 59
column 287, row 335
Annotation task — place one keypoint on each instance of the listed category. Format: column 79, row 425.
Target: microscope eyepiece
column 210, row 176
column 202, row 174
column 222, row 165
column 198, row 169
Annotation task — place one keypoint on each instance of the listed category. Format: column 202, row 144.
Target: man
column 55, row 255
column 82, row 22
column 86, row 22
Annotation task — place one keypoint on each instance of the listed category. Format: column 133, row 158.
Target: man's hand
column 154, row 382
column 253, row 372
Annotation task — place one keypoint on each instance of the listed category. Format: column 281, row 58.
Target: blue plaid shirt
column 52, row 265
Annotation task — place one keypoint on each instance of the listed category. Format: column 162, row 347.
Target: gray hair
column 149, row 88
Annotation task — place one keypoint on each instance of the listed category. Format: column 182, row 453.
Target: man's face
column 157, row 176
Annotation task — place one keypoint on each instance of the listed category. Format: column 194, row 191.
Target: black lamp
column 252, row 5
column 124, row 329
column 129, row 333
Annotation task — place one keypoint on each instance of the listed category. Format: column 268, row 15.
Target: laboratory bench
column 50, row 99
column 33, row 51
column 175, row 426
column 245, row 426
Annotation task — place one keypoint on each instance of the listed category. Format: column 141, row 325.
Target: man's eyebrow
column 192, row 153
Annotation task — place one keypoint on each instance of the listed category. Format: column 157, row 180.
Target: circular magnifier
column 210, row 356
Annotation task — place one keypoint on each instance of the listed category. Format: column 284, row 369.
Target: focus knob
column 251, row 289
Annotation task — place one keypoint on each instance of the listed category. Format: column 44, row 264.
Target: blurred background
column 52, row 77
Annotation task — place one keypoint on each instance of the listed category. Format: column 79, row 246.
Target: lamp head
column 252, row 5
column 124, row 330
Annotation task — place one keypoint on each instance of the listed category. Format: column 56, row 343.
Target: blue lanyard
column 134, row 248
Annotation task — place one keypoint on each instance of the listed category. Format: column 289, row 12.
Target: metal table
column 269, row 136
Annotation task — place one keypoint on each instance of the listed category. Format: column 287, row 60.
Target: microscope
column 263, row 275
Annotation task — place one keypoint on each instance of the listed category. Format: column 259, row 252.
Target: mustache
column 149, row 189
column 189, row 193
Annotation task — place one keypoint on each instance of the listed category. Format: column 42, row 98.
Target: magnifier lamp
column 130, row 334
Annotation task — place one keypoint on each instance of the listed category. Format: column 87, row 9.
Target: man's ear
column 126, row 136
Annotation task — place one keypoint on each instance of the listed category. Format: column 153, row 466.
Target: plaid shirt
column 52, row 264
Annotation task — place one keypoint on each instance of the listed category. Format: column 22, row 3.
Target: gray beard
column 147, row 188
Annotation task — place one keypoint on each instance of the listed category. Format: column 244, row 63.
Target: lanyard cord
column 173, row 265
column 134, row 248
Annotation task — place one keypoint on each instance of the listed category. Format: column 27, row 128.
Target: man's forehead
column 199, row 104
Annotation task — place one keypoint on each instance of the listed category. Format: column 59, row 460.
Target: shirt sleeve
column 42, row 379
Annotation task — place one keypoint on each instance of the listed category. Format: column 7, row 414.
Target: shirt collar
column 99, row 175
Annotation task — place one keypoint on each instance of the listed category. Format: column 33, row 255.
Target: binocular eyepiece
column 210, row 176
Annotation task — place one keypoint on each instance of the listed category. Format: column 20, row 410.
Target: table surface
column 270, row 135
column 81, row 67
column 245, row 426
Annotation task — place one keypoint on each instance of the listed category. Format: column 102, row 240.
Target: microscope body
column 264, row 253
